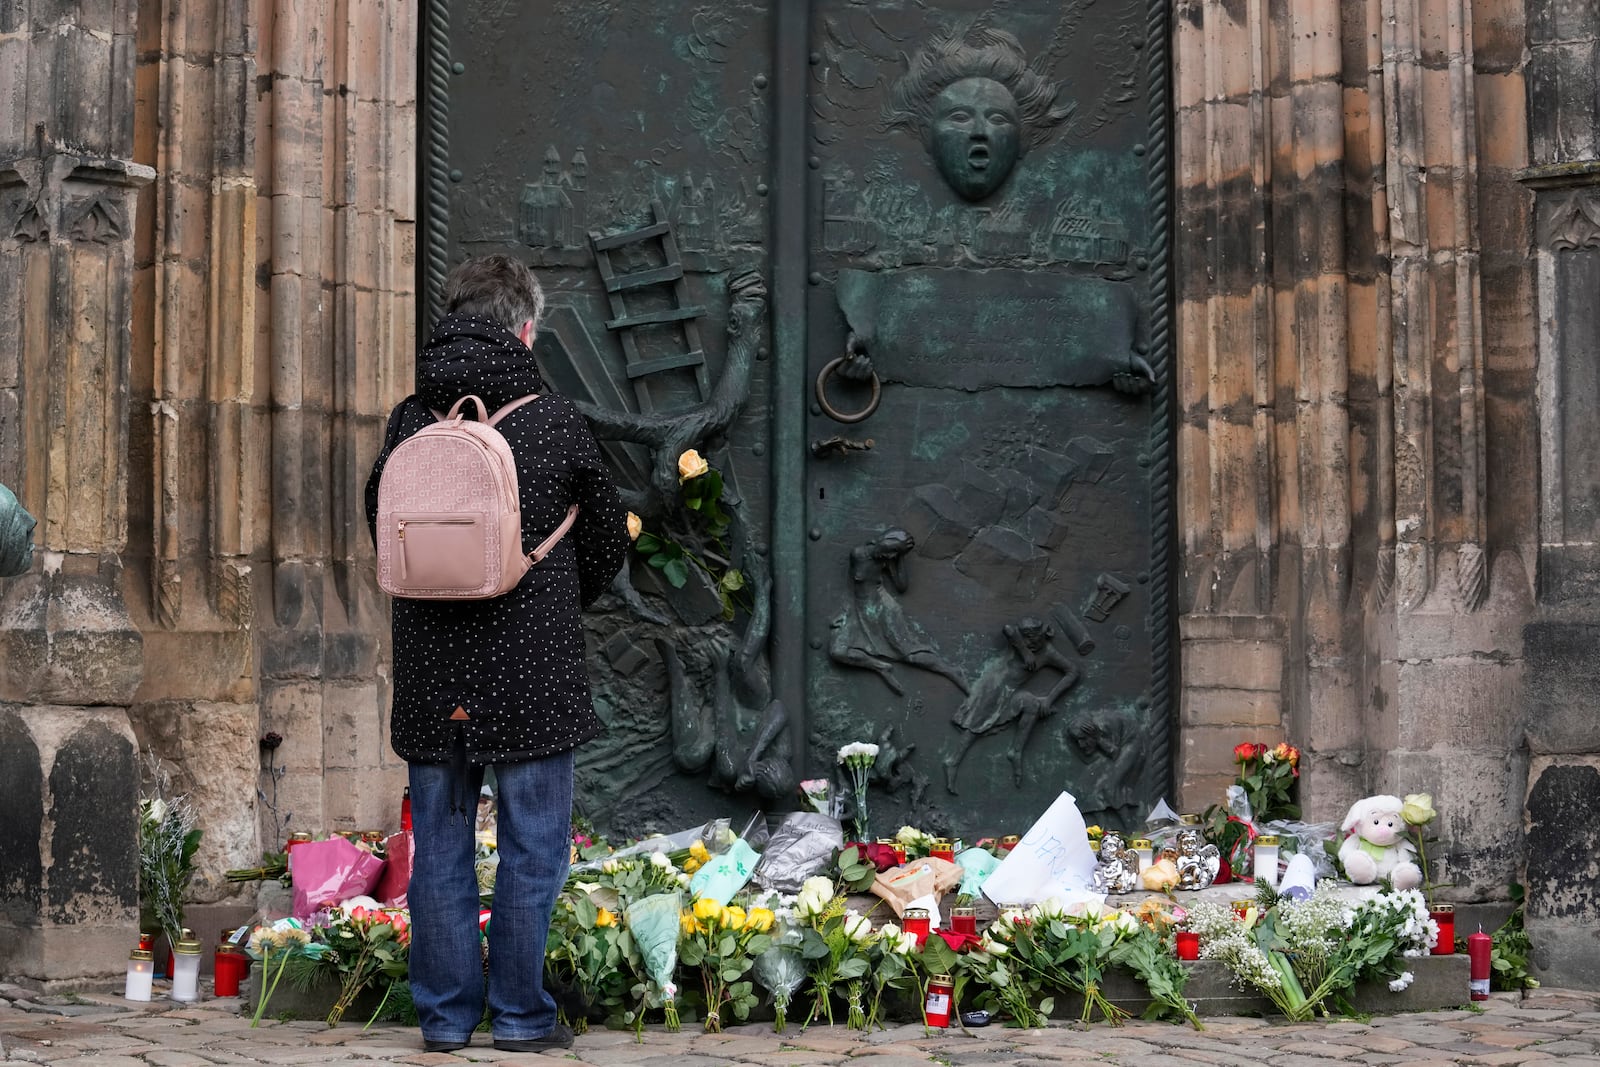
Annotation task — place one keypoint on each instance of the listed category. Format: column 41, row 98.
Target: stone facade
column 1387, row 256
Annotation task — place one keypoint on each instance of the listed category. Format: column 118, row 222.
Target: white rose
column 155, row 811
column 857, row 927
column 659, row 859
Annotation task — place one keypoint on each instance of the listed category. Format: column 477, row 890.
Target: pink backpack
column 449, row 521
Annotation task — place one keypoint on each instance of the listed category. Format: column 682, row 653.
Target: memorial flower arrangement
column 1305, row 956
column 367, row 944
column 691, row 927
column 169, row 836
column 274, row 946
column 591, row 950
column 723, row 943
column 857, row 759
column 700, row 488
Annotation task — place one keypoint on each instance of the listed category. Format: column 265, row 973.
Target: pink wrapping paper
column 331, row 871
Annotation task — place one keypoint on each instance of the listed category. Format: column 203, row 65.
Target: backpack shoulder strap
column 509, row 408
column 550, row 542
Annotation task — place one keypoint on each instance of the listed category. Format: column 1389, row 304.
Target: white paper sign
column 1052, row 860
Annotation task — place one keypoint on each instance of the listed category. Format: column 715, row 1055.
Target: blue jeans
column 534, row 838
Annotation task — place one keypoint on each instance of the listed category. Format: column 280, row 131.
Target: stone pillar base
column 69, row 883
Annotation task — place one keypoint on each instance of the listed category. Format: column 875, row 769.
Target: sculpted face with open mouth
column 976, row 136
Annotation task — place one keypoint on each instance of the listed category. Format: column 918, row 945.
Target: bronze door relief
column 898, row 271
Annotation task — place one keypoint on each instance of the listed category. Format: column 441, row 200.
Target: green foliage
column 855, row 872
column 1508, row 959
column 702, row 502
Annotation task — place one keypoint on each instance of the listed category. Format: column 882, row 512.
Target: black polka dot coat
column 514, row 663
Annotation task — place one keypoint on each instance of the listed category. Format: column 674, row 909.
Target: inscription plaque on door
column 898, row 271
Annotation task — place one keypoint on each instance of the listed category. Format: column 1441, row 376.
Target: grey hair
column 498, row 287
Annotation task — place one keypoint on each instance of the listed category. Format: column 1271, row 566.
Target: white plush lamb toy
column 1378, row 845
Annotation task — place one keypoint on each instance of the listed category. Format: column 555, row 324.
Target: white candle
column 1266, row 859
column 141, row 971
column 1144, row 850
column 186, row 968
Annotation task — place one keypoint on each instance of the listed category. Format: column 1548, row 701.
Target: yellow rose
column 691, row 465
column 687, row 924
column 635, row 526
column 691, row 865
column 1417, row 809
column 699, row 852
column 760, row 919
column 605, row 918
column 707, row 910
column 733, row 917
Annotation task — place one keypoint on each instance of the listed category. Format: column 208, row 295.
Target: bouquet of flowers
column 722, row 942
column 367, row 944
column 893, row 964
column 1054, row 949
column 280, row 941
column 1302, row 955
column 654, row 922
column 836, row 945
column 589, row 948
column 701, row 488
column 781, row 969
column 917, row 843
column 168, row 840
column 857, row 759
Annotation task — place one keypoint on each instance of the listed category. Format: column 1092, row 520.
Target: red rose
column 1244, row 753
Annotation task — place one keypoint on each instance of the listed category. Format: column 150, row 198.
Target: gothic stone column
column 1562, row 642
column 70, row 658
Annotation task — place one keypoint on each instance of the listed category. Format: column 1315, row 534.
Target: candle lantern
column 1188, row 943
column 1445, row 916
column 918, row 923
column 943, row 849
column 964, row 920
column 1144, row 850
column 1479, row 948
column 1265, row 859
column 405, row 808
column 228, row 967
column 937, row 1007
column 186, row 968
column 1009, row 842
column 141, row 971
column 296, row 839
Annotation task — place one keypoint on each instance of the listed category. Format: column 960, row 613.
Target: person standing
column 498, row 682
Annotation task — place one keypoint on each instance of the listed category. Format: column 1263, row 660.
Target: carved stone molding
column 1571, row 221
column 97, row 220
column 32, row 223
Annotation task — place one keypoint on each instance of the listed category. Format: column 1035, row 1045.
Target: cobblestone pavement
column 101, row 1031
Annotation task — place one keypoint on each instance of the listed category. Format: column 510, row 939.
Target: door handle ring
column 845, row 416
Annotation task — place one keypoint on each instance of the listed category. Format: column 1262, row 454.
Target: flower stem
column 266, row 995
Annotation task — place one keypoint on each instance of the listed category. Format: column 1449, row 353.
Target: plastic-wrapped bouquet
column 654, row 923
column 781, row 969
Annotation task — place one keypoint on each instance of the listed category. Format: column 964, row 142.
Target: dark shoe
column 560, row 1037
column 429, row 1045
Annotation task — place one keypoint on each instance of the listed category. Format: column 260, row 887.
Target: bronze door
column 898, row 270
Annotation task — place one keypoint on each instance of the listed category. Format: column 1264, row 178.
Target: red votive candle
column 964, row 920
column 229, row 967
column 1188, row 945
column 1445, row 916
column 917, row 923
